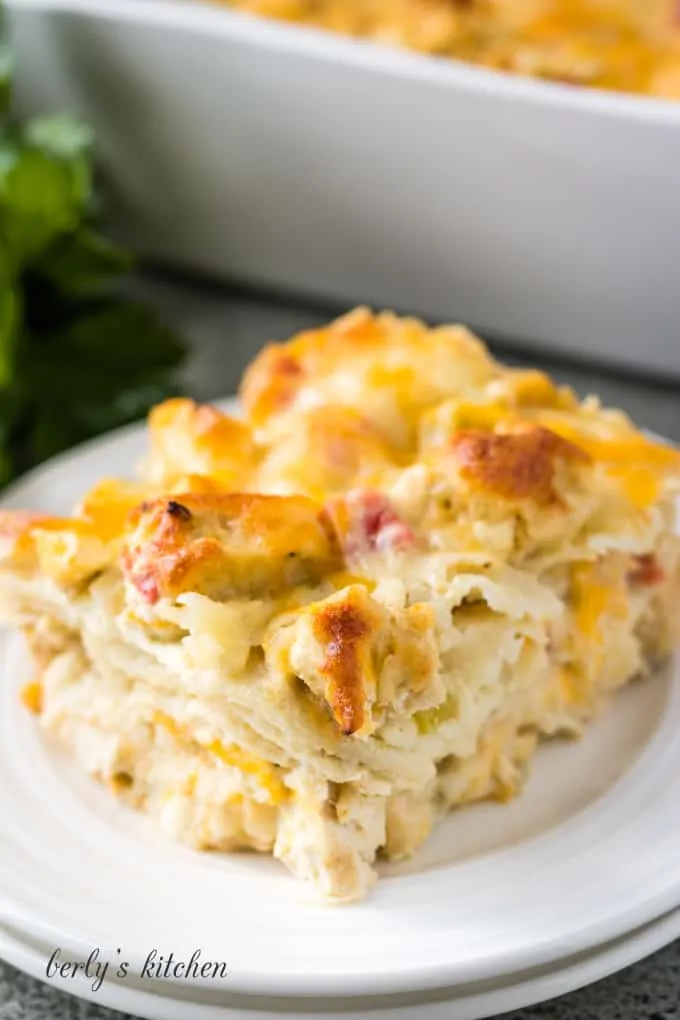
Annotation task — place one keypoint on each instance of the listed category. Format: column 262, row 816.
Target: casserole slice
column 314, row 631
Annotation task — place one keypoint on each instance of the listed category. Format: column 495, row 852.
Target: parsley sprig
column 77, row 357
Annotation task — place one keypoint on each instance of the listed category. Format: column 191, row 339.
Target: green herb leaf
column 82, row 261
column 10, row 319
column 67, row 138
column 76, row 356
column 40, row 199
column 121, row 340
column 6, row 67
column 9, row 326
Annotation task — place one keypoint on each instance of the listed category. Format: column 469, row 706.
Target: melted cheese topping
column 628, row 45
column 372, row 435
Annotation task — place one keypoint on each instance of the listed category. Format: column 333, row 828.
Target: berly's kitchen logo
column 156, row 967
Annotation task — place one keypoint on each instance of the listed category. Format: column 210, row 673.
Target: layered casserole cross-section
column 314, row 630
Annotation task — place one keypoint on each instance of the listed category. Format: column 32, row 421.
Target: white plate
column 587, row 854
column 472, row 1004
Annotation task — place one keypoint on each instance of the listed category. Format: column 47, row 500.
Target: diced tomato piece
column 374, row 525
column 647, row 571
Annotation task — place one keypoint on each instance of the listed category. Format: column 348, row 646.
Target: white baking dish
column 288, row 157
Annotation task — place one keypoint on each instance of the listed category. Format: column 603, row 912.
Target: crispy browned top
column 272, row 381
column 366, row 437
column 386, row 367
column 516, row 465
column 345, row 628
column 323, row 452
column 69, row 550
column 189, row 439
column 339, row 440
column 269, row 385
column 225, row 544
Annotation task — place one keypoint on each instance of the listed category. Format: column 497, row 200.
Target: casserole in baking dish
column 298, row 159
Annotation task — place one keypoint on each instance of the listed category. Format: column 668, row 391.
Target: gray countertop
column 226, row 329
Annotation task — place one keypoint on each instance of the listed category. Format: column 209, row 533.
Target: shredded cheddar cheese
column 264, row 773
column 593, row 600
column 32, row 697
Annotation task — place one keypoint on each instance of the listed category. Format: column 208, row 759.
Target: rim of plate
column 528, row 990
column 426, row 930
